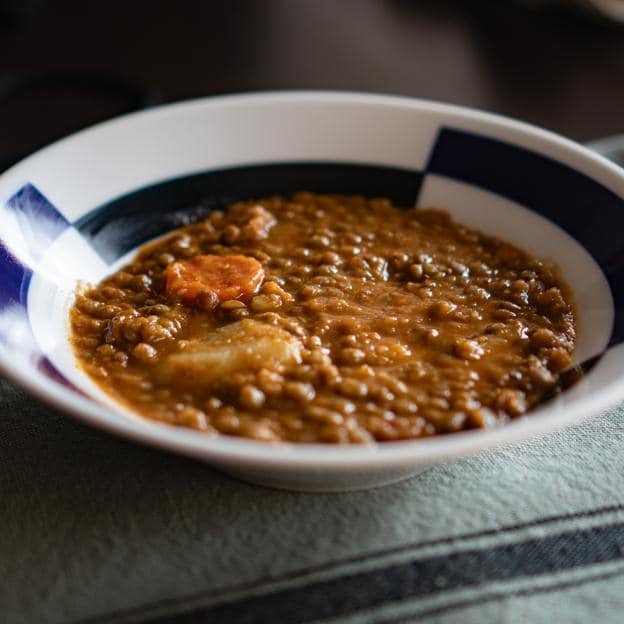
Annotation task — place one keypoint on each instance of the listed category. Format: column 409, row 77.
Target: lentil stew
column 321, row 318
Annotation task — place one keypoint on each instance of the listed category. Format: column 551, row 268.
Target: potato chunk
column 229, row 277
column 244, row 345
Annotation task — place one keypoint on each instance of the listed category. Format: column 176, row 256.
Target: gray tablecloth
column 95, row 529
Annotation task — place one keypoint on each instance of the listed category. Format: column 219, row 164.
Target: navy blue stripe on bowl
column 14, row 280
column 589, row 212
column 40, row 221
column 45, row 366
column 14, row 283
column 126, row 222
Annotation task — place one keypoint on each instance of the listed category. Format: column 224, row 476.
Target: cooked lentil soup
column 327, row 319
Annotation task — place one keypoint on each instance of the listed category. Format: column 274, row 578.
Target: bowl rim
column 228, row 450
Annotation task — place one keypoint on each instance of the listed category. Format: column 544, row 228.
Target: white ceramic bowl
column 72, row 210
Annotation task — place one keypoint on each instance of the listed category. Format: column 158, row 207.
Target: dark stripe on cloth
column 330, row 565
column 498, row 596
column 588, row 211
column 417, row 578
column 124, row 223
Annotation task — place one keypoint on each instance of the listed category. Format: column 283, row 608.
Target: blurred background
column 66, row 64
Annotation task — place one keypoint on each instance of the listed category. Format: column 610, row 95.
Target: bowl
column 75, row 210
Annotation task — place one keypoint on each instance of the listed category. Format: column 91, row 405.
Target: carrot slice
column 229, row 277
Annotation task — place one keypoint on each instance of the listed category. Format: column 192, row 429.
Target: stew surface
column 327, row 319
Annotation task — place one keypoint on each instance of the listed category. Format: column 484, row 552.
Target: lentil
column 373, row 324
